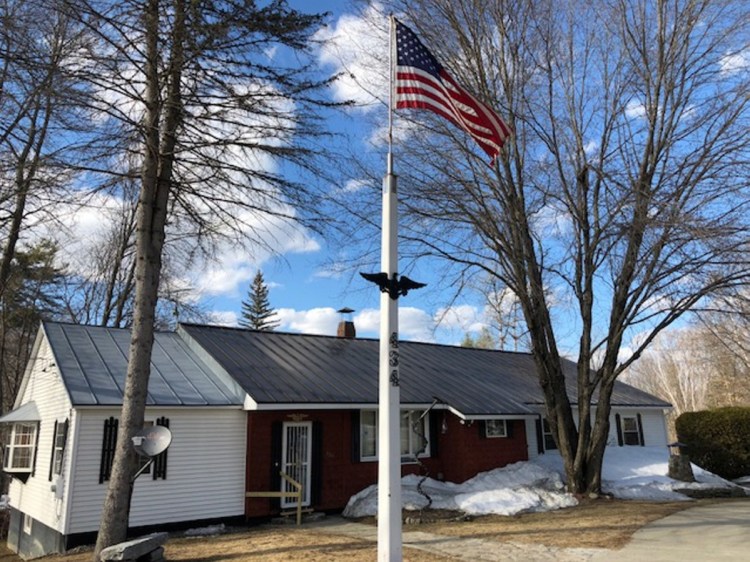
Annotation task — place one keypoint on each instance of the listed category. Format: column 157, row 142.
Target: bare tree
column 619, row 203
column 678, row 368
column 211, row 98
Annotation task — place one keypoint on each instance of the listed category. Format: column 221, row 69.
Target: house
column 245, row 405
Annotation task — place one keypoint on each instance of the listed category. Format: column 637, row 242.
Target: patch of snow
column 210, row 531
column 4, row 501
column 627, row 473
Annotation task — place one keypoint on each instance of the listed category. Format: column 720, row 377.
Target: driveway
column 715, row 532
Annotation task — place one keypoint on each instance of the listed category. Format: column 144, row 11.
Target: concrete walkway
column 715, row 533
column 459, row 548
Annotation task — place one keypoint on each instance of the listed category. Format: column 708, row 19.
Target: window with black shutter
column 60, row 437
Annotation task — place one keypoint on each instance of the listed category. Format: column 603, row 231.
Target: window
column 368, row 427
column 549, row 439
column 413, row 433
column 19, row 453
column 495, row 428
column 58, row 448
column 27, row 523
column 631, row 432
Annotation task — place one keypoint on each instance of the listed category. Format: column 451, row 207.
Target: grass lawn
column 592, row 524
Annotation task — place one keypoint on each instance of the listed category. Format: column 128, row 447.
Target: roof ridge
column 332, row 337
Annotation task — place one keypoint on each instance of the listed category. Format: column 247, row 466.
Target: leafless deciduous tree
column 621, row 199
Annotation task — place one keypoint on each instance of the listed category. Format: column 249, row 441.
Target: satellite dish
column 151, row 441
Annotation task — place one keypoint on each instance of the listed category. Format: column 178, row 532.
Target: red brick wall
column 462, row 453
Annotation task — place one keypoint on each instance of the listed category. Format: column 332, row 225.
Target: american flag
column 423, row 83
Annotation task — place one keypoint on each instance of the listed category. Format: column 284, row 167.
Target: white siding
column 652, row 422
column 45, row 387
column 205, row 469
column 531, row 438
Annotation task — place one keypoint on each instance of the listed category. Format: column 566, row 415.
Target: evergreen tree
column 256, row 310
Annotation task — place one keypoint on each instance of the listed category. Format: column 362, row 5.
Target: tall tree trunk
column 150, row 233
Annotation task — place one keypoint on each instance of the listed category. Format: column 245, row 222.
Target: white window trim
column 12, row 447
column 58, row 449
column 405, row 459
column 494, row 433
column 636, row 431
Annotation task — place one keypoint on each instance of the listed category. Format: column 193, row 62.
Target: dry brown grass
column 592, row 524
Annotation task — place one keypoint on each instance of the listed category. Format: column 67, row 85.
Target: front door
column 296, row 458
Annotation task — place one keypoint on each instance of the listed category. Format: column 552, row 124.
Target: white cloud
column 320, row 321
column 234, row 264
column 414, row 324
column 223, row 318
column 635, row 109
column 465, row 318
column 736, row 62
column 357, row 47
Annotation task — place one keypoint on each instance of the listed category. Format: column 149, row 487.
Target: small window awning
column 25, row 413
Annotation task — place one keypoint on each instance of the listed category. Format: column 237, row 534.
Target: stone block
column 134, row 549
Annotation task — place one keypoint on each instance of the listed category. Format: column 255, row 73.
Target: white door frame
column 296, row 438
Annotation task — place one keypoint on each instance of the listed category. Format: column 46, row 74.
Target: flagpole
column 389, row 455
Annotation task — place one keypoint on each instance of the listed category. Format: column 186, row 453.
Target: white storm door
column 296, row 457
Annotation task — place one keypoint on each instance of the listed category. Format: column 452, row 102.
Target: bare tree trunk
column 150, row 234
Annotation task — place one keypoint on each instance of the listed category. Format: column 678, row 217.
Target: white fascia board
column 500, row 416
column 250, row 404
column 472, row 417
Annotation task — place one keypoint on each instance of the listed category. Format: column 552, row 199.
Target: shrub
column 717, row 440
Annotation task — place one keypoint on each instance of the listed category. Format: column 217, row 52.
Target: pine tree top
column 256, row 312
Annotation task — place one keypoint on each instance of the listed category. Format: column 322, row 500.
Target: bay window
column 21, row 448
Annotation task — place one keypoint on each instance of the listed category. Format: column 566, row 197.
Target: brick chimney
column 346, row 325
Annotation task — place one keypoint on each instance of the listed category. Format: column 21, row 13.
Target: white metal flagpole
column 389, row 453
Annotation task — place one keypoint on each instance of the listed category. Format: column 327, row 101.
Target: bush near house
column 717, row 440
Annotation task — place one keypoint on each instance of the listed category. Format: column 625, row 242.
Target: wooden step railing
column 279, row 494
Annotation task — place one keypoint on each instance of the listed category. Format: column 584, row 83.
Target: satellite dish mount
column 150, row 442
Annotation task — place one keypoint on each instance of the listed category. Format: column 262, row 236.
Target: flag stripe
column 422, row 83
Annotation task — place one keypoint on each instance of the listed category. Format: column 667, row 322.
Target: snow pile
column 522, row 486
column 628, row 473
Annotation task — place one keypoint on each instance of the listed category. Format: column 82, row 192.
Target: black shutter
column 482, row 425
column 160, row 460
column 618, row 423
column 640, row 430
column 316, row 470
column 109, row 441
column 436, row 426
column 276, row 445
column 355, row 437
column 52, row 456
column 509, row 428
column 36, row 448
column 539, row 436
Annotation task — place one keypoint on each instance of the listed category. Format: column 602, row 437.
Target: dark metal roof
column 281, row 368
column 93, row 362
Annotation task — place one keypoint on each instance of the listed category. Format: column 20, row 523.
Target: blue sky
column 303, row 289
